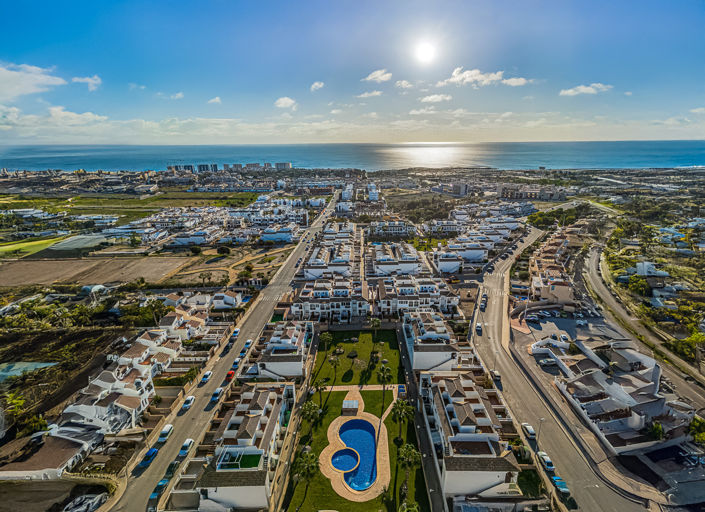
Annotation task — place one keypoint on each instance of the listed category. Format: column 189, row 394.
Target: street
column 195, row 421
column 528, row 406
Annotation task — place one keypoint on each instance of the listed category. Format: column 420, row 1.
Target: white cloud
column 317, row 85
column 403, row 84
column 527, row 98
column 20, row 79
column 379, row 75
column 436, row 98
column 370, row 94
column 133, row 86
column 286, row 102
column 473, row 77
column 60, row 115
column 371, row 115
column 177, row 96
column 423, row 111
column 93, row 82
column 215, row 100
column 699, row 110
column 515, row 82
column 585, row 89
column 628, row 93
column 336, row 111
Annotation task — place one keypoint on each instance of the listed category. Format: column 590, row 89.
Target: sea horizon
column 625, row 154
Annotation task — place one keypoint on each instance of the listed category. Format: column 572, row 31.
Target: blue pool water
column 344, row 460
column 360, row 436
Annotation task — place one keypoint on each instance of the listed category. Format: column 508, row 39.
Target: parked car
column 478, row 328
column 188, row 403
column 565, row 338
column 159, row 489
column 561, row 486
column 185, row 448
column 216, row 394
column 528, row 431
column 581, row 323
column 496, row 376
column 532, row 318
column 546, row 461
column 148, row 458
column 206, row 377
column 248, row 343
column 236, row 333
column 483, row 306
column 165, row 433
column 548, row 362
column 243, row 353
column 236, row 363
column 171, row 469
column 229, row 376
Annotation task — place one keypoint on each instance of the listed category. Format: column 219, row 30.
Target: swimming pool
column 358, row 461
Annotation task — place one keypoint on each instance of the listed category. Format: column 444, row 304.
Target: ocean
column 372, row 157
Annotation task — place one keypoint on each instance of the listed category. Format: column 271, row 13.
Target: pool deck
column 383, row 469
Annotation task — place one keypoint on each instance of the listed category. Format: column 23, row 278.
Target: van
column 165, row 433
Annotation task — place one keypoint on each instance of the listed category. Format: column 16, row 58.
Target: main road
column 195, row 421
column 527, row 405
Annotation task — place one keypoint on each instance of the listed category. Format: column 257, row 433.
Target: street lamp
column 538, row 433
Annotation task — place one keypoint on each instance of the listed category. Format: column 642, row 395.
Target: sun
column 425, row 52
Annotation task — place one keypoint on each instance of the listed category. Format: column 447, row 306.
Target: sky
column 242, row 72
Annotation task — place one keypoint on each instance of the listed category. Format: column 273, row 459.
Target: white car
column 565, row 338
column 528, row 431
column 546, row 461
column 188, row 403
column 206, row 377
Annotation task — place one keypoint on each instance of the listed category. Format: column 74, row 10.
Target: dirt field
column 88, row 270
column 38, row 495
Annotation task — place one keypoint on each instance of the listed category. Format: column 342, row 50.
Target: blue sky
column 243, row 72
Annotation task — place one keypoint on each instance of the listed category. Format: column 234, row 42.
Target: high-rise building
column 282, row 166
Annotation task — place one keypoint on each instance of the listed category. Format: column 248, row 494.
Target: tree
column 223, row 250
column 14, row 404
column 409, row 507
column 334, row 362
column 310, row 412
column 305, row 469
column 205, row 276
column 195, row 250
column 319, row 386
column 639, row 286
column 408, row 458
column 326, row 339
column 401, row 412
column 375, row 323
column 655, row 431
column 384, row 376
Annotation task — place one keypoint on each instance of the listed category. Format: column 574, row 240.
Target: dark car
column 171, row 469
column 159, row 489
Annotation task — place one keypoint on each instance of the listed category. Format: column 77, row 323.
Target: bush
column 196, row 250
column 223, row 250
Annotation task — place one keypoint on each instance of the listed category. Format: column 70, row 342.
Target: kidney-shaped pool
column 358, row 461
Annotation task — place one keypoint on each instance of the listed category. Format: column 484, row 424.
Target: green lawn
column 25, row 248
column 320, row 494
column 358, row 370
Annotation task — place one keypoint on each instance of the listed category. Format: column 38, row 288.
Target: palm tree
column 375, row 323
column 203, row 276
column 408, row 458
column 334, row 362
column 384, row 376
column 318, row 387
column 401, row 412
column 310, row 412
column 306, row 469
column 326, row 338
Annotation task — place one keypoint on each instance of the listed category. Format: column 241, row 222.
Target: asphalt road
column 527, row 405
column 195, row 421
column 690, row 392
